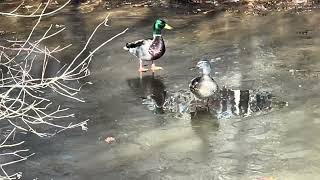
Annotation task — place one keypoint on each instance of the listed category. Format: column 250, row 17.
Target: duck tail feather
column 126, row 47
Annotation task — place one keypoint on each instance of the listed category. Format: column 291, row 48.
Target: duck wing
column 194, row 85
column 135, row 44
column 139, row 48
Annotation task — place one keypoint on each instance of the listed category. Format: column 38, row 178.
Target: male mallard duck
column 149, row 49
column 203, row 86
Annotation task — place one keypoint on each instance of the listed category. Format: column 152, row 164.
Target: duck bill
column 168, row 26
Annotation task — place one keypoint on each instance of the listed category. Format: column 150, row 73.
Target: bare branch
column 33, row 14
column 24, row 103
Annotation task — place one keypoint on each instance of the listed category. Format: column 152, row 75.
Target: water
column 247, row 53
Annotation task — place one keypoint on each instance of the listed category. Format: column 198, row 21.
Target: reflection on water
column 244, row 102
column 151, row 90
column 204, row 125
column 227, row 104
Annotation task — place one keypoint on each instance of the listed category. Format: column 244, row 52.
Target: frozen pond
column 277, row 53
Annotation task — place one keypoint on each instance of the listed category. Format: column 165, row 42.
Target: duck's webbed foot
column 155, row 68
column 142, row 69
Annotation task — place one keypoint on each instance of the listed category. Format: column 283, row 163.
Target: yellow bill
column 168, row 26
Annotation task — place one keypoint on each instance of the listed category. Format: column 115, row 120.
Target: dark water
column 247, row 53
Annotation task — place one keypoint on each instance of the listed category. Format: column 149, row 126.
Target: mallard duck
column 204, row 86
column 149, row 49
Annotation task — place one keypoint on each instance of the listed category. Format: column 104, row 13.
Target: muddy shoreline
column 189, row 7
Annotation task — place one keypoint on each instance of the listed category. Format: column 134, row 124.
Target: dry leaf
column 110, row 140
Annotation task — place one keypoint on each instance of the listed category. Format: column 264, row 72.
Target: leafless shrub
column 38, row 12
column 24, row 105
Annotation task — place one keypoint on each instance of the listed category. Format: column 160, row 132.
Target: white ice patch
column 237, row 100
